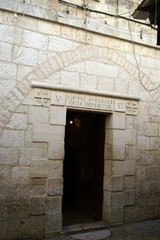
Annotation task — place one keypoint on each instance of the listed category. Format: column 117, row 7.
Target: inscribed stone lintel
column 43, row 97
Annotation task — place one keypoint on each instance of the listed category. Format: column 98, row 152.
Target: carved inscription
column 120, row 106
column 84, row 101
column 91, row 102
column 132, row 107
column 41, row 97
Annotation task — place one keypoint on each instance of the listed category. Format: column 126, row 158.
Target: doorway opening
column 83, row 167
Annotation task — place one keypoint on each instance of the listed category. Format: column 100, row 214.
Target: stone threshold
column 83, row 227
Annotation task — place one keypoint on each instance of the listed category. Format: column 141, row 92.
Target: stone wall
column 40, row 58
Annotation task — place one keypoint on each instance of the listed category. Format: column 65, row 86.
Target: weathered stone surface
column 11, row 138
column 41, row 132
column 55, row 186
column 53, row 223
column 55, row 169
column 57, row 115
column 129, row 182
column 20, row 175
column 18, row 121
column 39, row 168
column 38, row 114
column 8, row 156
column 32, row 123
column 56, row 150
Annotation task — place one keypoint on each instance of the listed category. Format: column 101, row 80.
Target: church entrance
column 83, row 167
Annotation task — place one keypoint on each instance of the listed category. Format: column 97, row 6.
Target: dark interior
column 83, row 167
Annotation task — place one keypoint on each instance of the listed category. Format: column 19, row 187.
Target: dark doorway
column 83, row 167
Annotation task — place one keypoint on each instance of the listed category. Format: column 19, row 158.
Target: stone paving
column 149, row 230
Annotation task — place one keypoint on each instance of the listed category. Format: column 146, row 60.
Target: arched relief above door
column 83, row 99
column 57, row 63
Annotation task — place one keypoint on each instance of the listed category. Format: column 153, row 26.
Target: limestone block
column 20, row 96
column 117, row 183
column 68, row 32
column 79, row 67
column 42, row 57
column 53, row 205
column 6, row 50
column 107, row 183
column 117, row 215
column 107, row 214
column 108, row 151
column 119, row 137
column 58, row 44
column 122, row 168
column 143, row 108
column 100, row 69
column 19, row 208
column 149, row 157
column 129, row 182
column 157, row 63
column 105, row 84
column 38, row 187
column 37, row 205
column 151, row 129
column 22, row 71
column 8, row 156
column 13, row 138
column 25, row 155
column 55, row 186
column 70, row 78
column 44, row 132
column 88, row 81
column 26, row 56
column 121, row 85
column 38, row 114
column 8, row 71
column 132, row 153
column 154, row 141
column 48, row 27
column 6, row 87
column 117, row 200
column 39, row 168
column 4, row 211
column 152, row 172
column 35, row 40
column 57, row 115
column 10, row 35
column 56, row 150
column 143, row 142
column 133, row 214
column 53, row 223
column 5, row 175
column 141, row 173
column 107, row 198
column 20, row 175
column 28, row 227
column 58, row 98
column 131, row 136
column 108, row 137
column 153, row 108
column 128, row 198
column 147, row 62
column 55, row 169
column 28, row 136
column 18, row 121
column 118, row 152
column 1, row 16
column 108, row 167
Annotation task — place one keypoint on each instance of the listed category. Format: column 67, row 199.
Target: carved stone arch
column 60, row 61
